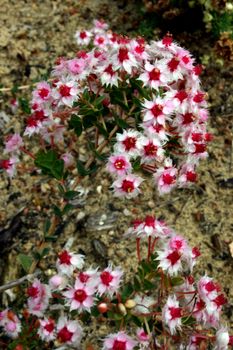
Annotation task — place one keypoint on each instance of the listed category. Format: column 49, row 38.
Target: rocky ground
column 33, row 34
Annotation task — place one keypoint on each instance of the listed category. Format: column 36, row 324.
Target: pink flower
column 119, row 341
column 119, row 164
column 10, row 323
column 142, row 336
column 127, row 186
column 13, row 144
column 66, row 93
column 108, row 76
column 154, row 76
column 128, row 143
column 156, row 110
column 83, row 37
column 42, row 93
column 58, row 282
column 124, row 59
column 172, row 314
column 80, row 297
column 38, row 298
column 165, row 179
column 150, row 149
column 67, row 262
column 68, row 159
column 46, row 330
column 109, row 281
column 69, row 332
column 9, row 165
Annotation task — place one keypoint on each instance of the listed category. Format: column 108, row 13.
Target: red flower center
column 168, row 179
column 123, row 54
column 64, row 258
column 175, row 312
column 43, row 93
column 188, row 118
column 5, row 164
column 83, row 277
column 139, row 49
column 80, row 295
column 173, row 64
column 32, row 292
column 119, row 164
column 186, row 59
column 119, row 345
column 129, row 143
column 154, row 74
column 181, row 95
column 49, row 326
column 167, row 40
column 64, row 335
column 64, row 90
column 150, row 221
column 83, row 35
column 106, row 278
column 200, row 148
column 191, row 176
column 109, row 70
column 210, row 286
column 173, row 257
column 150, row 149
column 199, row 97
column 156, row 110
column 197, row 136
column 100, row 40
column 127, row 186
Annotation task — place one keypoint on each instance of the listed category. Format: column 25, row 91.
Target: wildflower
column 67, row 262
column 10, row 323
column 166, row 179
column 83, row 37
column 69, row 332
column 119, row 341
column 127, row 186
column 172, row 314
column 38, row 298
column 109, row 280
column 66, row 93
column 9, row 165
column 13, row 144
column 46, row 330
column 124, row 59
column 222, row 339
column 119, row 164
column 154, row 76
column 80, row 297
column 127, row 143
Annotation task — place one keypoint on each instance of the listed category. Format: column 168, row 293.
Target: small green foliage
column 76, row 123
column 25, row 261
column 50, row 164
column 24, row 104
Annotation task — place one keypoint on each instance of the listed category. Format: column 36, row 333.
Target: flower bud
column 130, row 304
column 122, row 309
column 102, row 308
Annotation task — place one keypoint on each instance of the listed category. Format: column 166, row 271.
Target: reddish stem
column 149, row 248
column 153, row 244
column 27, row 152
column 138, row 248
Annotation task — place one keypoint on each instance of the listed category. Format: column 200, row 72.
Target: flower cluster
column 154, row 86
column 164, row 287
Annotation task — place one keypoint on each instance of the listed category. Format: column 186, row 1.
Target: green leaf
column 148, row 285
column 70, row 194
column 25, row 261
column 122, row 123
column 57, row 211
column 24, row 104
column 44, row 252
column 127, row 291
column 84, row 172
column 50, row 238
column 76, row 124
column 176, row 281
column 47, row 225
column 137, row 164
column 67, row 208
column 50, row 164
column 137, row 283
column 188, row 320
column 136, row 320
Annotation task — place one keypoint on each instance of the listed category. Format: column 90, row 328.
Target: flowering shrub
column 144, row 102
column 162, row 306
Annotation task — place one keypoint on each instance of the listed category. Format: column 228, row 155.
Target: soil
column 33, row 34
